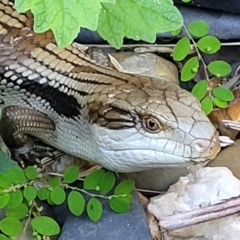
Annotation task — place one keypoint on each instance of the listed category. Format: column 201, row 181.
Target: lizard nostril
column 201, row 145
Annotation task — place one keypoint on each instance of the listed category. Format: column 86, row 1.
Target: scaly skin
column 124, row 122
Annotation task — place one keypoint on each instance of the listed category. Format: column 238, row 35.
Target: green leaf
column 190, row 69
column 200, row 89
column 11, row 226
column 3, row 237
column 31, row 172
column 223, row 94
column 219, row 103
column 181, row 49
column 54, row 182
column 207, row 105
column 5, row 181
column 71, row 174
column 16, row 199
column 91, row 182
column 18, row 212
column 198, row 28
column 120, row 204
column 4, row 199
column 16, row 174
column 219, row 68
column 29, row 193
column 186, row 1
column 107, row 182
column 76, row 203
column 94, row 209
column 150, row 17
column 6, row 162
column 209, row 44
column 176, row 32
column 42, row 193
column 45, row 226
column 124, row 187
column 58, row 195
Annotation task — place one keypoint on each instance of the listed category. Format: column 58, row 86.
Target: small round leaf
column 94, row 209
column 45, row 226
column 5, row 181
column 176, row 32
column 207, row 105
column 57, row 195
column 3, row 237
column 16, row 174
column 186, row 1
column 29, row 193
column 16, row 199
column 209, row 44
column 42, row 193
column 107, row 182
column 181, row 49
column 200, row 89
column 219, row 103
column 4, row 199
column 54, row 182
column 76, row 203
column 124, row 187
column 190, row 69
column 11, row 226
column 71, row 174
column 198, row 28
column 223, row 94
column 92, row 180
column 120, row 204
column 18, row 212
column 31, row 172
column 219, row 68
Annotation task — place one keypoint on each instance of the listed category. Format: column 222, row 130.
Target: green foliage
column 112, row 19
column 18, row 195
column 209, row 98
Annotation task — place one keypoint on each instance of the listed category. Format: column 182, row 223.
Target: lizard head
column 155, row 125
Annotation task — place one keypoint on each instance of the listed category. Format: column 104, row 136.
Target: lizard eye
column 151, row 124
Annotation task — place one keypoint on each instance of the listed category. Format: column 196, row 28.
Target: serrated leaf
column 200, row 89
column 94, row 209
column 31, row 172
column 54, row 182
column 16, row 199
column 76, row 203
column 181, row 49
column 219, row 68
column 71, row 174
column 223, row 94
column 124, row 187
column 207, row 105
column 45, row 226
column 190, row 69
column 91, row 182
column 42, row 193
column 23, row 5
column 150, row 17
column 198, row 28
column 120, row 204
column 209, row 44
column 18, row 212
column 4, row 199
column 16, row 175
column 219, row 103
column 3, row 237
column 11, row 226
column 58, row 195
column 107, row 182
column 29, row 193
column 5, row 181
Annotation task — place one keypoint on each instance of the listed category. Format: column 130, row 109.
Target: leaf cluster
column 19, row 188
column 208, row 97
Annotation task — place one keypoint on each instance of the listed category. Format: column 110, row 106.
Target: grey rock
column 112, row 226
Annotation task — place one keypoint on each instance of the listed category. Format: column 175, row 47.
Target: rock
column 229, row 157
column 130, row 226
column 205, row 187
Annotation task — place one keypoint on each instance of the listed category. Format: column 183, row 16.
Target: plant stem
column 198, row 53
